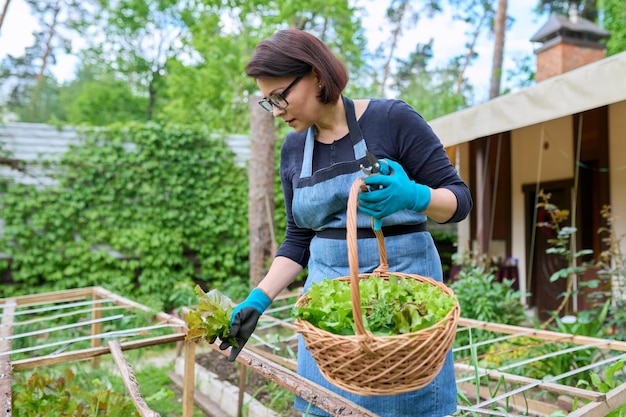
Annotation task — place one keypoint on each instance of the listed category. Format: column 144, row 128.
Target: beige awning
column 588, row 87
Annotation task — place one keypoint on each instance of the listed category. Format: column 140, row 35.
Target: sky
column 449, row 38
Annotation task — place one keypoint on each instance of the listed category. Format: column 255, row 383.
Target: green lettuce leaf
column 397, row 305
column 211, row 318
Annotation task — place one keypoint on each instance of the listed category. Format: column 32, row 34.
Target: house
column 565, row 135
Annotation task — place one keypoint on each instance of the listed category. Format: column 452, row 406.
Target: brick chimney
column 568, row 42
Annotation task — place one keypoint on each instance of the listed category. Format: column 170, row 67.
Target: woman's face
column 303, row 108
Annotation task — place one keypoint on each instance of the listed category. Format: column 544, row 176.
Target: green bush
column 145, row 210
column 483, row 298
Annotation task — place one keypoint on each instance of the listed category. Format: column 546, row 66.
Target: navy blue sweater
column 392, row 130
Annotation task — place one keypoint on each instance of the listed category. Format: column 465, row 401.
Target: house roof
column 562, row 24
column 588, row 87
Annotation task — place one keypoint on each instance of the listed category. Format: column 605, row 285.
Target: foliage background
column 142, row 209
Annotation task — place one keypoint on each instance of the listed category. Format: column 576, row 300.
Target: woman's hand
column 244, row 320
column 393, row 192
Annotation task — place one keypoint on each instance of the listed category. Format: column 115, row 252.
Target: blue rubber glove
column 244, row 320
column 392, row 193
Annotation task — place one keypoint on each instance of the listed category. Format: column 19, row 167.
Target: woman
column 302, row 82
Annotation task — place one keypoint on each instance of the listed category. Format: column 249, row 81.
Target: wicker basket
column 365, row 364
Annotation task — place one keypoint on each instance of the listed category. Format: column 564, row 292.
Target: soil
column 256, row 385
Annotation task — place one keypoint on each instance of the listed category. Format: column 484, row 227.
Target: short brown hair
column 295, row 53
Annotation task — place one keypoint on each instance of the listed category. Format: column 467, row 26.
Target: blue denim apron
column 319, row 203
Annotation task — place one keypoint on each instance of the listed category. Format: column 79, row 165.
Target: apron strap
column 353, row 125
column 356, row 136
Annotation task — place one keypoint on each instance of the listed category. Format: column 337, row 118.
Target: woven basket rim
column 452, row 315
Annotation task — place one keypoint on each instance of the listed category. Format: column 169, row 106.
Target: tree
column 184, row 60
column 261, row 226
column 3, row 14
column 59, row 19
column 400, row 13
column 614, row 21
column 141, row 36
column 522, row 75
column 433, row 93
column 478, row 14
column 499, row 29
column 32, row 89
column 212, row 88
column 101, row 101
column 586, row 8
column 27, row 99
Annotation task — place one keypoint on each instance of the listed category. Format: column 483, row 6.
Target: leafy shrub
column 138, row 209
column 613, row 377
column 483, row 298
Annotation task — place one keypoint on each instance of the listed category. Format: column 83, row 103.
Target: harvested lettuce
column 394, row 306
column 211, row 318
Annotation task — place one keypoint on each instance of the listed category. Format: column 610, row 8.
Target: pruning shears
column 374, row 167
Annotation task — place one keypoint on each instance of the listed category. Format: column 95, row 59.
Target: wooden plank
column 51, row 297
column 6, row 329
column 92, row 352
column 319, row 396
column 614, row 399
column 243, row 371
column 130, row 381
column 96, row 328
column 516, row 379
column 189, row 384
column 605, row 344
column 286, row 362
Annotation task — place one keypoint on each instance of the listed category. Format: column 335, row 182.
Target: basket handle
column 353, row 255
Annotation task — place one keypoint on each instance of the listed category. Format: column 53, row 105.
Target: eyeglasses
column 278, row 100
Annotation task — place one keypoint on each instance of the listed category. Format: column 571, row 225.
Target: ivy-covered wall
column 145, row 210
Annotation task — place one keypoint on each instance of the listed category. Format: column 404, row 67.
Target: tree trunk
column 48, row 51
column 34, row 105
column 4, row 12
column 470, row 53
column 261, row 190
column 499, row 30
column 395, row 38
